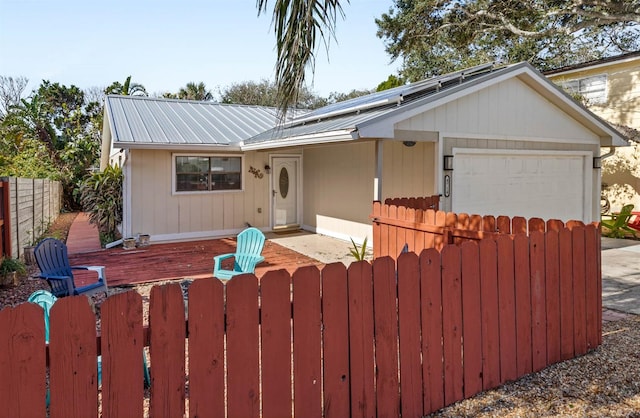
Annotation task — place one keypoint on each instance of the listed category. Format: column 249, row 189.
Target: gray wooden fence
column 33, row 205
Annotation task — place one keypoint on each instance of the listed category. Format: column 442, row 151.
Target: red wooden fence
column 368, row 340
column 422, row 203
column 397, row 223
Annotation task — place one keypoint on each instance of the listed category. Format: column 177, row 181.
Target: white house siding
column 338, row 196
column 508, row 110
column 508, row 116
column 157, row 211
column 408, row 171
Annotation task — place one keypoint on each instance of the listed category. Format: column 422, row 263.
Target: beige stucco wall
column 339, row 188
column 620, row 172
column 165, row 215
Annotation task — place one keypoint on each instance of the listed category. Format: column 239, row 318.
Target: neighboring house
column 514, row 144
column 610, row 88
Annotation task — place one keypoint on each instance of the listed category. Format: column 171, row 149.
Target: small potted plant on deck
column 11, row 271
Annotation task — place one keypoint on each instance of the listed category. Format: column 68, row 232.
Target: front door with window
column 285, row 192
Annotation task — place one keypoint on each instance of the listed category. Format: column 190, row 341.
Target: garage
column 525, row 183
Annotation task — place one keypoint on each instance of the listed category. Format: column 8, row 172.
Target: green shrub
column 9, row 265
column 101, row 198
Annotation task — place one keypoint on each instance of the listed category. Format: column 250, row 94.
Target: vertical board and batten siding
column 374, row 339
column 156, row 210
column 33, row 205
column 511, row 109
column 507, row 109
column 326, row 172
column 408, row 171
column 338, row 183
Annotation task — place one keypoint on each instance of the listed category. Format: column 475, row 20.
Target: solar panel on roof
column 386, row 97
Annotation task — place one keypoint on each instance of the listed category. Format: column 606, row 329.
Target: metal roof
column 346, row 117
column 154, row 122
column 148, row 121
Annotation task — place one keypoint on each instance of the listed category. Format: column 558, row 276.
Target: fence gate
column 5, row 216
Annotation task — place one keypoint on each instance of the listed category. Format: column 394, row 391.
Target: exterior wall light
column 447, row 162
column 267, row 169
column 408, row 143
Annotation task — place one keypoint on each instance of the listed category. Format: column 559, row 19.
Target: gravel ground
column 603, row 383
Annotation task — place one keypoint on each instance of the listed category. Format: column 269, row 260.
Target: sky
column 164, row 44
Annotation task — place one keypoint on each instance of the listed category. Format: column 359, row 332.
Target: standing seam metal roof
column 153, row 121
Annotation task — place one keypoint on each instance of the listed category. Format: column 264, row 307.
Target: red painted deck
column 183, row 260
column 159, row 262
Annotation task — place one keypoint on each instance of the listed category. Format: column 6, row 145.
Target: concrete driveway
column 621, row 275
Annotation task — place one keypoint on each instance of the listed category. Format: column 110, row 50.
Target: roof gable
column 509, row 109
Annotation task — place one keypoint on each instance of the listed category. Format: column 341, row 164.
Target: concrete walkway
column 620, row 260
column 621, row 275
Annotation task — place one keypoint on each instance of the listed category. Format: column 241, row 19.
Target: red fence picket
column 22, row 361
column 307, row 322
column 275, row 291
column 73, row 358
column 335, row 317
column 206, row 348
column 121, row 349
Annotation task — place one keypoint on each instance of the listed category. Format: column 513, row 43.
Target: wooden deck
column 173, row 261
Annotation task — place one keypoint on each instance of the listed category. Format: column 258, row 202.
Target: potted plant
column 11, row 271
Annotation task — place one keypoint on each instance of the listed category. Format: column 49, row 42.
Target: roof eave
column 166, row 146
column 311, row 139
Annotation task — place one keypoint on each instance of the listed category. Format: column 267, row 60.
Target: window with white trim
column 207, row 173
column 593, row 89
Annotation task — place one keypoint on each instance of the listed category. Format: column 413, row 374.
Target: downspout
column 608, row 154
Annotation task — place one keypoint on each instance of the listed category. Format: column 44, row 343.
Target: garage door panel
column 531, row 184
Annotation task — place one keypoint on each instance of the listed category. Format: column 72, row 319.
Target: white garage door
column 542, row 184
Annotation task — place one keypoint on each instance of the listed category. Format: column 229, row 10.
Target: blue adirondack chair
column 247, row 255
column 53, row 262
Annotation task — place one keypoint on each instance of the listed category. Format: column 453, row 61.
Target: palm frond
column 299, row 25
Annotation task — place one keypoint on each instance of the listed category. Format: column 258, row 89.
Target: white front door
column 285, row 192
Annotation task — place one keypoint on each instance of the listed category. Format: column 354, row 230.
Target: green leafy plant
column 359, row 253
column 9, row 265
column 101, row 197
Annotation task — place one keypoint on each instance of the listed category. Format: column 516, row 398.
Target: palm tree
column 126, row 89
column 193, row 91
column 297, row 24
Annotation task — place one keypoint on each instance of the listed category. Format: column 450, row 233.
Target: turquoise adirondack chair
column 247, row 255
column 46, row 300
